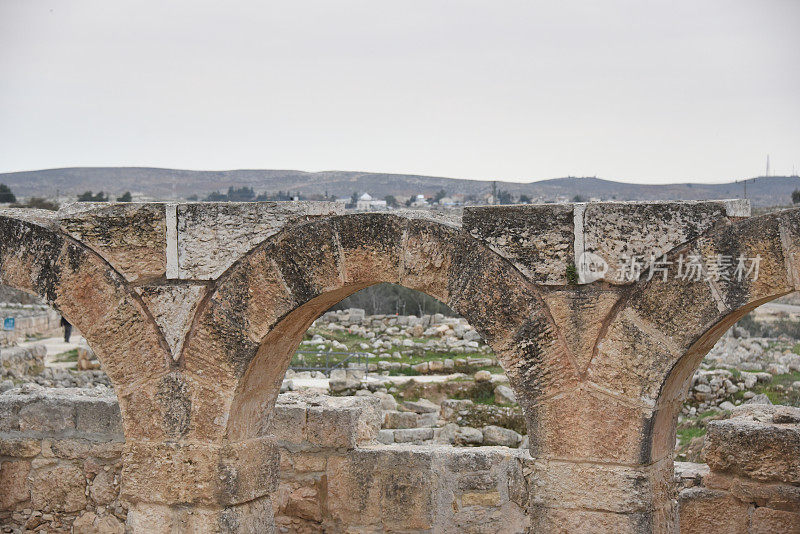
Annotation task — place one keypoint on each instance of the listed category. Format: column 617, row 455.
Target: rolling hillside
column 167, row 184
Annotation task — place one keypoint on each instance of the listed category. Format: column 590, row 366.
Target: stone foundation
column 61, row 469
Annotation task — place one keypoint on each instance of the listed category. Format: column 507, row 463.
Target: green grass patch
column 69, row 356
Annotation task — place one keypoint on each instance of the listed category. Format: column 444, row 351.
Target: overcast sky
column 654, row 91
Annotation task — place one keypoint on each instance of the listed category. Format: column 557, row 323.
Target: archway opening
column 39, row 346
column 756, row 360
column 423, row 388
column 431, row 369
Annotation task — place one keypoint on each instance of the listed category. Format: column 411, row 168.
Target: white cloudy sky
column 647, row 91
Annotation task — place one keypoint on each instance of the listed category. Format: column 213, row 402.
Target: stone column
column 594, row 468
column 200, row 487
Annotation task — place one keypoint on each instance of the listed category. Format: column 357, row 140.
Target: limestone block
column 761, row 451
column 769, row 521
column 220, row 474
column 173, row 308
column 104, row 489
column 343, row 423
column 504, row 395
column 46, row 415
column 98, row 416
column 614, row 229
column 130, row 236
column 289, row 422
column 568, row 521
column 20, row 448
column 771, row 495
column 91, row 523
column 371, row 247
column 633, row 357
column 625, row 489
column 428, row 260
column 409, row 435
column 308, row 258
column 469, row 436
column 611, row 430
column 580, row 313
column 495, row 435
column 537, row 239
column 211, row 236
column 421, row 406
column 703, row 510
column 14, row 481
column 395, row 419
column 388, row 487
column 58, row 487
column 760, row 237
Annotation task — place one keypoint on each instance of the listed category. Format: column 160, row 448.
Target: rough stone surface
column 130, row 236
column 537, row 239
column 614, row 230
column 212, row 236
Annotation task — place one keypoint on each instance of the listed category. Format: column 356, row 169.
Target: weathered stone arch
column 250, row 325
column 662, row 329
column 37, row 258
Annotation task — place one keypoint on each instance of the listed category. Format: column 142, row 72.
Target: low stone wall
column 29, row 320
column 334, row 478
column 59, row 462
column 752, row 481
column 60, row 471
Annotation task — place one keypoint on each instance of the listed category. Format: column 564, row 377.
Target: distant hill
column 165, row 184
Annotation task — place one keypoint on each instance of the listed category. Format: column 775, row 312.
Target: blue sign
column 8, row 323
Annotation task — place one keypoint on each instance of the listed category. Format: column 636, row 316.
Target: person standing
column 67, row 329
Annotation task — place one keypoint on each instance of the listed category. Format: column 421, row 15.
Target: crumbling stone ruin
column 194, row 311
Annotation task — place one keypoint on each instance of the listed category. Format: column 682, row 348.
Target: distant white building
column 420, row 202
column 367, row 203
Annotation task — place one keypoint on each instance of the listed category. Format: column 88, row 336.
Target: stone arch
column 37, row 258
column 664, row 328
column 249, row 326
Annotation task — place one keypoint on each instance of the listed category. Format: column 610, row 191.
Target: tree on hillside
column 439, row 196
column 126, row 197
column 243, row 194
column 40, row 204
column 524, row 199
column 216, row 196
column 6, row 195
column 504, row 197
column 88, row 196
column 391, row 201
column 796, row 196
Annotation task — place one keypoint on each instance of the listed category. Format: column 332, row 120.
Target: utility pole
column 767, row 165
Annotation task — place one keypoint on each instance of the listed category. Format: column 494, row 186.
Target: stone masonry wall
column 60, row 460
column 60, row 463
column 60, row 471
